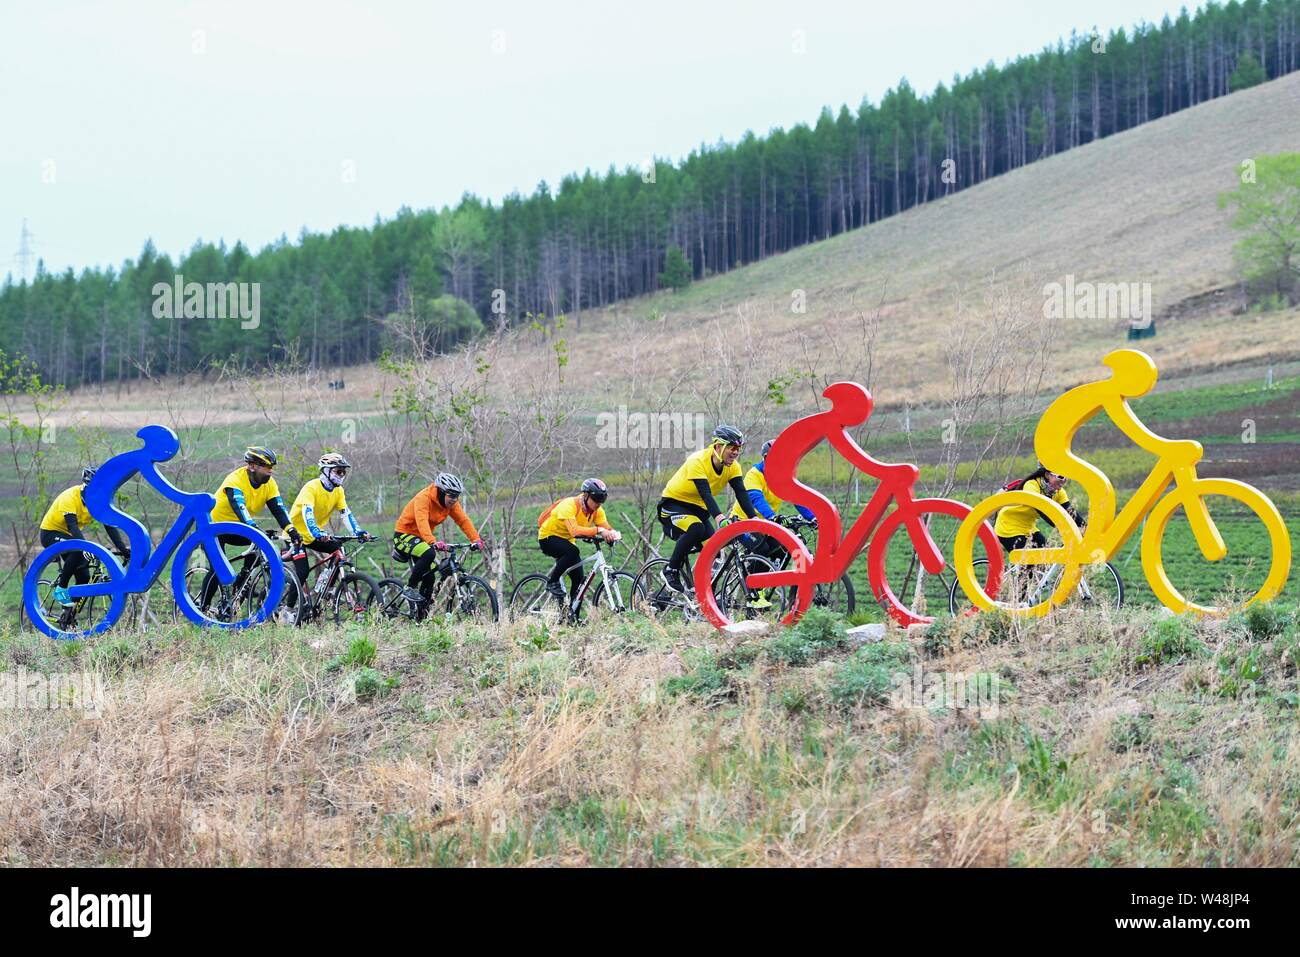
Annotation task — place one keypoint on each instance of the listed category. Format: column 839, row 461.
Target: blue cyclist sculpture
column 146, row 563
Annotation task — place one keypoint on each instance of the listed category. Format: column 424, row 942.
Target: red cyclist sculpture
column 851, row 405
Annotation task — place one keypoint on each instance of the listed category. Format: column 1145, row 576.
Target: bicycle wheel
column 235, row 610
column 1239, row 546
column 395, row 601
column 531, row 599
column 97, row 605
column 354, row 597
column 653, row 595
column 900, row 581
column 836, row 596
column 621, row 598
column 778, row 583
column 740, row 598
column 1101, row 587
column 465, row 598
column 984, row 595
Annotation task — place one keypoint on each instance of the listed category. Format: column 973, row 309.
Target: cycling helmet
column 767, row 447
column 260, row 455
column 333, row 460
column 88, row 473
column 728, row 436
column 449, row 483
column 596, row 489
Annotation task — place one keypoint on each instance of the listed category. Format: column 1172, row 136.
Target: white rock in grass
column 864, row 634
column 747, row 629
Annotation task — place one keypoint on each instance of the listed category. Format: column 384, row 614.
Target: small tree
column 677, row 271
column 1268, row 212
column 1248, row 73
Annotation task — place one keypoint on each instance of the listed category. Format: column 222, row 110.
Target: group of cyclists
column 688, row 512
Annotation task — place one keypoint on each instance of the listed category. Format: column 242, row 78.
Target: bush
column 1265, row 620
column 369, row 683
column 361, row 653
column 1171, row 639
column 867, row 676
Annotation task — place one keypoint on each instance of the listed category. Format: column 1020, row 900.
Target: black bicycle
column 246, row 595
column 448, row 590
column 731, row 568
column 836, row 596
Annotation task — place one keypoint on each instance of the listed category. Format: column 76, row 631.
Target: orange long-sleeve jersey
column 424, row 513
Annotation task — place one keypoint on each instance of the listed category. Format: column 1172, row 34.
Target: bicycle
column 1100, row 586
column 249, row 587
column 66, row 617
column 1176, row 465
column 729, row 571
column 348, row 594
column 456, row 593
column 836, row 596
column 178, row 544
column 615, row 592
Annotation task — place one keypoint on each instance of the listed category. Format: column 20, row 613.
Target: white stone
column 863, row 634
column 747, row 629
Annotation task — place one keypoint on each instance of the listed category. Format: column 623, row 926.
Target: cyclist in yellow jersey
column 578, row 516
column 688, row 509
column 242, row 494
column 1017, row 525
column 316, row 503
column 67, row 517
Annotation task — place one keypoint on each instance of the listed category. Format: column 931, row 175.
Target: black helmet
column 88, row 473
column 260, row 455
column 596, row 489
column 767, row 447
column 729, row 436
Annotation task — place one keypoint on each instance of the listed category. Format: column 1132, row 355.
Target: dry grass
column 598, row 746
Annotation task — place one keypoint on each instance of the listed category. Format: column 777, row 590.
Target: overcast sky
column 232, row 120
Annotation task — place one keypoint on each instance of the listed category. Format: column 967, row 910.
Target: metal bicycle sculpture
column 851, row 405
column 147, row 562
column 1133, row 373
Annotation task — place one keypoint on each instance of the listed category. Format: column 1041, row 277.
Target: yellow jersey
column 322, row 505
column 68, row 502
column 255, row 499
column 755, row 478
column 1014, row 520
column 568, row 510
column 699, row 466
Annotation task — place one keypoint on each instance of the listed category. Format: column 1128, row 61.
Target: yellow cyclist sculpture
column 1132, row 374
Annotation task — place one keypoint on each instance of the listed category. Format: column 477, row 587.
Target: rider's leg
column 71, row 564
column 422, row 556
column 689, row 525
column 566, row 555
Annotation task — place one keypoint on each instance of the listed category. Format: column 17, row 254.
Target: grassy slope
column 1138, row 741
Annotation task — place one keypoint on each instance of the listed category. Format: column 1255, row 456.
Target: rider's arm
column 579, row 531
column 276, row 507
column 706, row 496
column 806, row 513
column 352, row 522
column 119, row 542
column 236, row 499
column 423, row 502
column 759, row 501
column 74, row 530
column 309, row 519
column 742, row 496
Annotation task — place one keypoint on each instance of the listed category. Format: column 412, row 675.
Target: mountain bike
column 729, row 569
column 1100, row 586
column 836, row 596
column 448, row 590
column 614, row 591
column 248, row 589
column 340, row 589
